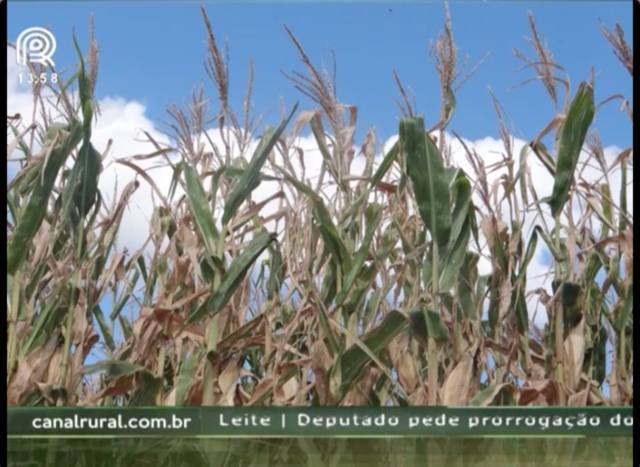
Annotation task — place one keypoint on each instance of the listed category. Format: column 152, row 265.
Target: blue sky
column 152, row 52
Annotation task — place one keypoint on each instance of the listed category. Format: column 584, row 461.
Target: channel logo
column 35, row 45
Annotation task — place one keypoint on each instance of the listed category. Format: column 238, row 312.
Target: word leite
column 245, row 420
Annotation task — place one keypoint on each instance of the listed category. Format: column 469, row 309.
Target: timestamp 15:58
column 35, row 78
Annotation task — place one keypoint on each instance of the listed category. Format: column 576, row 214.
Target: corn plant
column 356, row 285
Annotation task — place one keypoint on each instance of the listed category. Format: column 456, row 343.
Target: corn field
column 342, row 287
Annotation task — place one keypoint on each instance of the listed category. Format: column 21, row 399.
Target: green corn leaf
column 35, row 279
column 488, row 394
column 175, row 179
column 186, row 376
column 24, row 180
column 572, row 136
column 335, row 380
column 104, row 327
column 325, row 225
column 494, row 302
column 461, row 194
column 330, row 235
column 435, row 326
column 529, row 252
column 452, row 264
column 84, row 91
column 142, row 267
column 276, row 273
column 237, row 335
column 385, row 165
column 334, row 345
column 211, row 267
column 522, row 315
column 460, row 234
column 427, row 323
column 466, row 284
column 557, row 255
column 329, row 287
column 147, row 389
column 518, row 300
column 127, row 330
column 114, row 368
column 593, row 304
column 541, row 151
column 355, row 358
column 117, row 309
column 428, row 176
column 623, row 312
column 250, row 179
column 82, row 190
column 199, row 206
column 34, row 212
column 46, row 322
column 319, row 136
column 233, row 277
column 372, row 219
column 360, row 288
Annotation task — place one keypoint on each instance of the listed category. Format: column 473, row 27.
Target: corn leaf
column 199, row 206
column 36, row 208
column 427, row 173
column 355, row 358
column 385, row 165
column 114, row 368
column 488, row 394
column 276, row 273
column 327, row 228
column 250, row 179
column 233, row 276
column 186, row 376
column 466, row 284
column 427, row 323
column 572, row 135
column 372, row 216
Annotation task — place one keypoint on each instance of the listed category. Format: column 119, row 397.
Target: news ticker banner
column 319, row 421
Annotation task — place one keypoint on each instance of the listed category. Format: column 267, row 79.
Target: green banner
column 322, row 452
column 319, row 422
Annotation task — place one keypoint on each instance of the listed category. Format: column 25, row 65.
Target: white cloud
column 123, row 122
